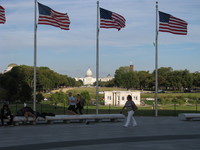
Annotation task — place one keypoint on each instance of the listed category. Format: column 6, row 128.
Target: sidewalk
column 162, row 133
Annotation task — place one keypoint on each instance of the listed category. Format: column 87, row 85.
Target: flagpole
column 35, row 58
column 97, row 60
column 156, row 63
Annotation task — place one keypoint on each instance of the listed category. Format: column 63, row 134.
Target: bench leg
column 82, row 120
column 16, row 123
column 50, row 122
column 98, row 120
column 33, row 123
column 66, row 121
column 113, row 120
column 188, row 119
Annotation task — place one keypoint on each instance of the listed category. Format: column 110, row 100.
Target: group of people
column 76, row 103
column 26, row 111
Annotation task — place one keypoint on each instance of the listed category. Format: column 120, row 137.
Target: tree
column 39, row 97
column 126, row 78
column 109, row 83
column 130, row 80
column 86, row 96
column 58, row 97
column 187, row 79
column 163, row 73
column 144, row 79
column 3, row 94
column 175, row 80
column 196, row 79
column 119, row 75
column 17, row 84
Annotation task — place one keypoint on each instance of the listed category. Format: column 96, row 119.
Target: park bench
column 84, row 118
column 189, row 116
column 67, row 118
column 22, row 120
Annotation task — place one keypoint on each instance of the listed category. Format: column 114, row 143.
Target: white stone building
column 119, row 98
column 90, row 80
column 9, row 67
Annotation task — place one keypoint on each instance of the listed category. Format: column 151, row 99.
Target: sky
column 72, row 52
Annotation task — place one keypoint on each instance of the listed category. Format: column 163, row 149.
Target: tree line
column 168, row 79
column 17, row 84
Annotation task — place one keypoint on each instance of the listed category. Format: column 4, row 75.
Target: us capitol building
column 89, row 80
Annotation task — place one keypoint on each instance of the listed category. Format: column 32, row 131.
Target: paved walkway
column 161, row 133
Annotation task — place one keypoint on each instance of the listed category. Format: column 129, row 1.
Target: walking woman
column 130, row 107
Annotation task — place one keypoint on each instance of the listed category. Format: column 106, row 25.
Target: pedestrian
column 80, row 103
column 72, row 103
column 130, row 107
column 6, row 114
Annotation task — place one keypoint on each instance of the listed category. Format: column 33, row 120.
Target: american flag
column 110, row 19
column 171, row 24
column 48, row 16
column 2, row 15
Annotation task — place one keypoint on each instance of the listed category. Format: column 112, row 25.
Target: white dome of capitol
column 89, row 73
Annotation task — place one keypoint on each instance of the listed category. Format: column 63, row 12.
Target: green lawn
column 163, row 110
column 147, row 110
column 171, row 95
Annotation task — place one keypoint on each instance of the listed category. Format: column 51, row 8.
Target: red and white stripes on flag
column 171, row 24
column 110, row 19
column 2, row 15
column 48, row 16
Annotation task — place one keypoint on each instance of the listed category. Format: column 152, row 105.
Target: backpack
column 134, row 107
column 82, row 102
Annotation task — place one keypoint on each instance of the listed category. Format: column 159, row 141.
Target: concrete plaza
column 161, row 133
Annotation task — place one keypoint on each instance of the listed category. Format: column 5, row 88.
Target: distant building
column 131, row 68
column 119, row 98
column 90, row 80
column 9, row 67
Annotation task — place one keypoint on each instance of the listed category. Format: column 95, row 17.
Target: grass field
column 163, row 110
column 92, row 92
column 171, row 95
column 147, row 110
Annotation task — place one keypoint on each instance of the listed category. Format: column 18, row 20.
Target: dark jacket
column 5, row 111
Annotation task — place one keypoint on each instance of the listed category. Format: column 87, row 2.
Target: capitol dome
column 89, row 80
column 89, row 73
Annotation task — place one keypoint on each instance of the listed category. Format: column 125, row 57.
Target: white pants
column 129, row 118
